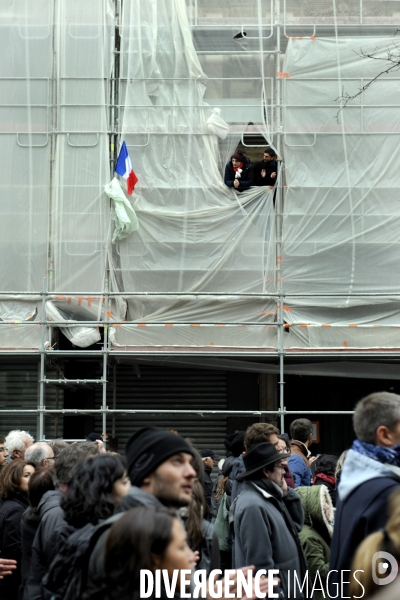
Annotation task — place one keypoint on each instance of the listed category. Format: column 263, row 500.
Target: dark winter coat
column 11, row 512
column 208, row 486
column 363, row 492
column 270, row 167
column 29, row 525
column 246, row 179
column 316, row 534
column 51, row 531
column 262, row 536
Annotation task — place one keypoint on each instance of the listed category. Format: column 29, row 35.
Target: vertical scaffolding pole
column 279, row 210
column 105, row 360
column 40, row 433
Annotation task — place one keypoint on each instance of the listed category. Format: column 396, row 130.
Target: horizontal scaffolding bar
column 174, row 412
column 64, row 295
column 77, row 381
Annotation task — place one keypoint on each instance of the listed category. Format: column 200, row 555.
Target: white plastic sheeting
column 196, row 235
column 341, row 213
column 193, row 79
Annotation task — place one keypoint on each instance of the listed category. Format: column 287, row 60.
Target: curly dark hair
column 89, row 497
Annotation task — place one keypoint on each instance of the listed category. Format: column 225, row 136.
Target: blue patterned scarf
column 390, row 456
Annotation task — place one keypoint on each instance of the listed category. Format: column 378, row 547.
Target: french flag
column 124, row 169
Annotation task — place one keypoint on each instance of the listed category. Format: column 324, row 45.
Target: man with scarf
column 370, row 473
column 238, row 172
column 268, row 517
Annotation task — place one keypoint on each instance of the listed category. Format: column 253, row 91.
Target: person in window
column 266, row 171
column 238, row 172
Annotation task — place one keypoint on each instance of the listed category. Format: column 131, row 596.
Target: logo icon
column 384, row 568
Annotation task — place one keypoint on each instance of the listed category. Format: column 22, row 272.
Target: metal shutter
column 170, row 388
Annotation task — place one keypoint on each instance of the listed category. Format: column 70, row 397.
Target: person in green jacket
column 316, row 535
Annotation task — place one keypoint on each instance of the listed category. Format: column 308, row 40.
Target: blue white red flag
column 124, row 169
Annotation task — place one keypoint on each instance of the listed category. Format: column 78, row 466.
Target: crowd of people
column 78, row 522
column 241, row 175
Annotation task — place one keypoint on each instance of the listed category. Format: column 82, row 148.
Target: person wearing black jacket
column 238, row 172
column 14, row 494
column 265, row 172
column 208, row 457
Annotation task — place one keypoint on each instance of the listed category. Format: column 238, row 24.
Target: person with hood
column 365, row 562
column 238, row 172
column 371, row 472
column 316, row 535
column 267, row 519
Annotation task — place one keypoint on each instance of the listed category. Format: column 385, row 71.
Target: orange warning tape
column 194, row 324
column 352, row 325
column 283, row 75
column 313, row 38
column 141, row 325
column 168, row 324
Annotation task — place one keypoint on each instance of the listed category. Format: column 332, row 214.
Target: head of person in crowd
column 324, row 467
column 57, row 445
column 95, row 490
column 386, row 540
column 14, row 479
column 269, row 154
column 40, row 454
column 238, row 159
column 143, row 538
column 301, row 431
column 234, row 443
column 376, row 419
column 160, row 463
column 261, row 432
column 92, row 437
column 283, row 444
column 3, row 453
column 263, row 462
column 208, row 457
column 17, row 442
column 40, row 482
column 68, row 458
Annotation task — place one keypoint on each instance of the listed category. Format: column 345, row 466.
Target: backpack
column 67, row 576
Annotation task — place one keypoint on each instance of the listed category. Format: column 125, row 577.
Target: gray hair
column 381, row 408
column 37, row 453
column 16, row 439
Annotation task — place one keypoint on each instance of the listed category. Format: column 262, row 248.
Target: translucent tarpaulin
column 196, row 235
column 341, row 213
column 183, row 84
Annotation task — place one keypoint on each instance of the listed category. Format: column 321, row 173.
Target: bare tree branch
column 392, row 58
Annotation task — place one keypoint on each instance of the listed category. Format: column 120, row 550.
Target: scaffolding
column 254, row 289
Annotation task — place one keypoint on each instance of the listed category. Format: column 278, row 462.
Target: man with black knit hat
column 159, row 465
column 267, row 518
column 161, row 472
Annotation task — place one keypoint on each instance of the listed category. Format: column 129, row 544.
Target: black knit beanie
column 148, row 447
column 235, row 443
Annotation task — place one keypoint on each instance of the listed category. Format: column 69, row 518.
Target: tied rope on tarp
column 124, row 216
